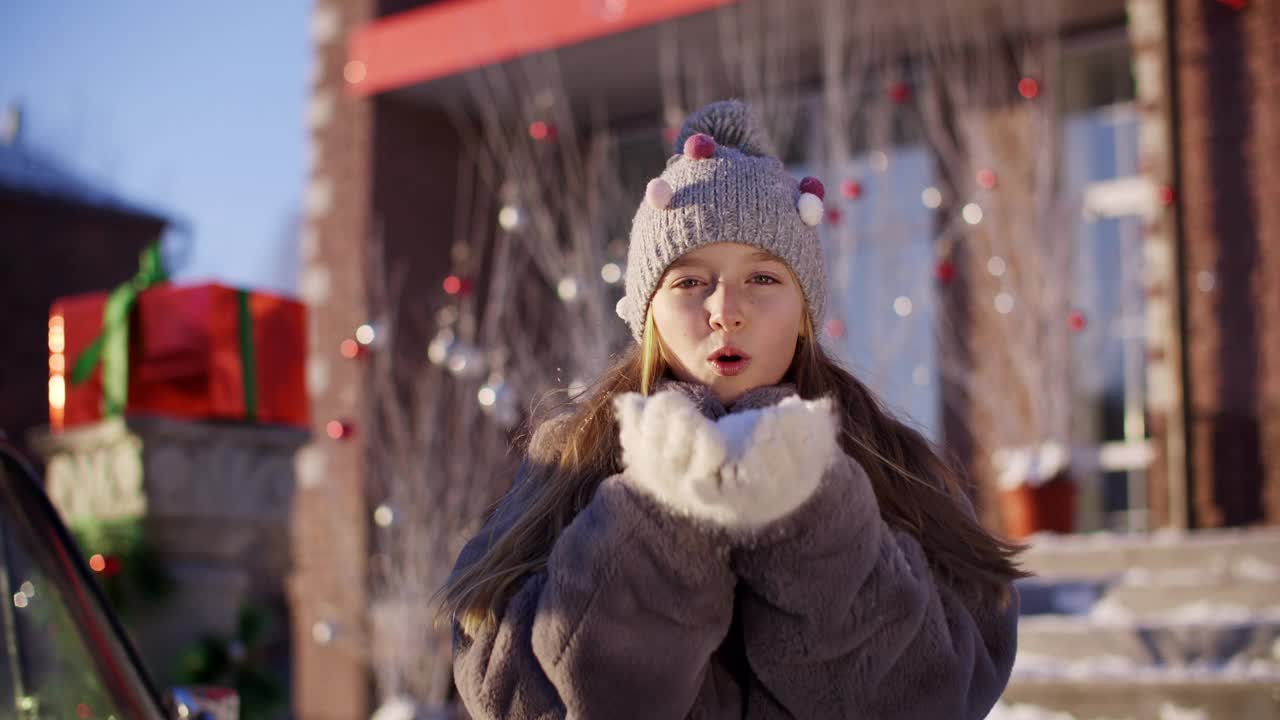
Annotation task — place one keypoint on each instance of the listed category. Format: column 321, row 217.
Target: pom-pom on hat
column 724, row 185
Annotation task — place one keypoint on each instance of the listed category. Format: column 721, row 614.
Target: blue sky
column 195, row 109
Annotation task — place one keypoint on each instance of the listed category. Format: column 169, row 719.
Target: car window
column 62, row 654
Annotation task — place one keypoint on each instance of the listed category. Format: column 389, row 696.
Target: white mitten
column 670, row 450
column 777, row 457
column 742, row 472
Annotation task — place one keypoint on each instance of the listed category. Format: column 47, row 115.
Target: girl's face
column 729, row 316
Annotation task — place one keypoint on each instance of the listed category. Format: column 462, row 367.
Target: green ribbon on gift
column 111, row 347
column 248, row 361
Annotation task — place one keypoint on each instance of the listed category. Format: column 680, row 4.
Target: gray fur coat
column 695, row 584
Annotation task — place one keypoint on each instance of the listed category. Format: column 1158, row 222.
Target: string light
column 986, row 178
column 567, row 289
column 972, row 213
column 611, row 273
column 365, row 334
column 902, row 306
column 354, row 72
column 1028, row 88
column 996, row 266
column 510, row 218
column 931, row 197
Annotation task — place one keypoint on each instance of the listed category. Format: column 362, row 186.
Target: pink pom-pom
column 658, row 193
column 813, row 186
column 700, row 146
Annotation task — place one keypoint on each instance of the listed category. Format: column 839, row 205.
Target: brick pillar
column 1221, row 143
column 1261, row 32
column 330, row 526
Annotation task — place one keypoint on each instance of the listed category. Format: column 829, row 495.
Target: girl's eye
column 764, row 280
column 686, row 284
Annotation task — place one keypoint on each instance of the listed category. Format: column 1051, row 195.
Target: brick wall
column 1227, row 142
column 52, row 250
column 329, row 529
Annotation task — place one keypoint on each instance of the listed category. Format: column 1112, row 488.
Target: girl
column 730, row 526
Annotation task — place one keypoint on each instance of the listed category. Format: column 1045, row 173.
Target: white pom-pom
column 658, row 193
column 811, row 209
column 623, row 308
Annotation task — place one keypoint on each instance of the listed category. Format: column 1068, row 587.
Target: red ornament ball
column 339, row 429
column 813, row 186
column 1077, row 321
column 1166, row 196
column 113, row 566
column 351, row 349
column 945, row 271
column 835, row 328
column 899, row 93
column 700, row 146
column 457, row 285
column 539, row 130
column 833, row 216
column 851, row 189
column 83, row 711
column 1028, row 88
column 986, row 178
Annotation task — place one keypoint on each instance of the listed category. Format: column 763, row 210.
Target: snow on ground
column 1168, row 711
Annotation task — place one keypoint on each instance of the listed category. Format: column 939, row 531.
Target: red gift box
column 201, row 352
column 74, row 323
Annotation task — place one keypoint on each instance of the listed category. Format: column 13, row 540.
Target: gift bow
column 111, row 346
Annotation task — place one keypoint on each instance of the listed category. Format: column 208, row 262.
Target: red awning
column 442, row 39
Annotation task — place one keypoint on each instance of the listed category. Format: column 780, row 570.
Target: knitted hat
column 723, row 185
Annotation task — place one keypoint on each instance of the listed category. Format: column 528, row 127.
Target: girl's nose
column 725, row 310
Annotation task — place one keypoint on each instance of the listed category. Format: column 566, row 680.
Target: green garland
column 135, row 578
column 127, row 565
column 241, row 662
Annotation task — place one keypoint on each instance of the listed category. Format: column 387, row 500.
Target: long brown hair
column 917, row 491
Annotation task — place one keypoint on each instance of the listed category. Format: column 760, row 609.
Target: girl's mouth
column 729, row 361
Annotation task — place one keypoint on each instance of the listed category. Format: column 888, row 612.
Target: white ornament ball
column 811, row 210
column 658, row 193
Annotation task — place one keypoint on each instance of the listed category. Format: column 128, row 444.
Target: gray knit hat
column 724, row 185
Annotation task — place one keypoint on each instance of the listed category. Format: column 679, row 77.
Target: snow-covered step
column 1252, row 553
column 1129, row 599
column 1114, row 694
column 1164, row 642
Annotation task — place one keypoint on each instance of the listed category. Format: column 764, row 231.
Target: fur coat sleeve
column 621, row 624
